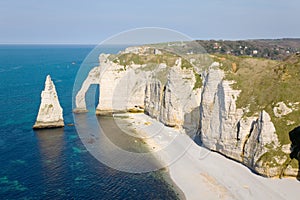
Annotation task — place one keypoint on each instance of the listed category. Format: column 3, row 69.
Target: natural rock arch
column 92, row 79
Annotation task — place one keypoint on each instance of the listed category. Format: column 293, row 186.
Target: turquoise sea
column 54, row 164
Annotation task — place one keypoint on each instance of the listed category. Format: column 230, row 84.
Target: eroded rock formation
column 50, row 113
column 167, row 92
column 226, row 129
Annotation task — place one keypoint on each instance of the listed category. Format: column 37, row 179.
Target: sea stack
column 50, row 113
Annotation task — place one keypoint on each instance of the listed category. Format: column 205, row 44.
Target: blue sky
column 91, row 21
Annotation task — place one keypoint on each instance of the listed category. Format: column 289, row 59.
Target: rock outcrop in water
column 245, row 118
column 50, row 113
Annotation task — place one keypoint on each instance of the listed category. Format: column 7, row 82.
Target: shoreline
column 200, row 173
column 131, row 126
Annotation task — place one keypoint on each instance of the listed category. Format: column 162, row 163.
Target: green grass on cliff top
column 152, row 60
column 140, row 59
column 263, row 83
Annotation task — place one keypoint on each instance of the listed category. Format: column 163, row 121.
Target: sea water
column 54, row 164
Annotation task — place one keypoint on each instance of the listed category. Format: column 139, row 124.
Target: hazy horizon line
column 95, row 44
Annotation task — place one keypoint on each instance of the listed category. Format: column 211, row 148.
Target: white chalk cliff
column 167, row 93
column 50, row 113
column 225, row 129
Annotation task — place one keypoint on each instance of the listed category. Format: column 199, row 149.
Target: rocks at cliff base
column 50, row 113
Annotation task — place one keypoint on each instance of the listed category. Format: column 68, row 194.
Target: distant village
column 272, row 49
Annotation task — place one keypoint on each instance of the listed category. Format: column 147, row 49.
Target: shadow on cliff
column 92, row 97
column 295, row 147
column 191, row 124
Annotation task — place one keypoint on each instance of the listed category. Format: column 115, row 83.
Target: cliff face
column 50, row 113
column 174, row 102
column 255, row 131
column 237, row 110
column 160, row 86
column 225, row 129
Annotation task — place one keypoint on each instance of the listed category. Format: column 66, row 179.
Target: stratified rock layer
column 50, row 114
